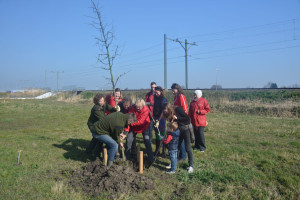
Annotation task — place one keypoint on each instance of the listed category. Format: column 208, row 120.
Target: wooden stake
column 141, row 162
column 105, row 156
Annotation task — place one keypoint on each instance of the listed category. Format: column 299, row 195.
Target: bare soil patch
column 119, row 179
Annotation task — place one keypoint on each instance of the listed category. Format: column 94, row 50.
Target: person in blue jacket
column 172, row 141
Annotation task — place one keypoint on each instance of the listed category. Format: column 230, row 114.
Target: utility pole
column 165, row 61
column 57, row 77
column 217, row 79
column 185, row 47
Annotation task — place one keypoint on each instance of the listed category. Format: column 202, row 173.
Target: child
column 172, row 145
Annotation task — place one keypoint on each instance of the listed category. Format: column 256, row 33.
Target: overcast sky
column 239, row 43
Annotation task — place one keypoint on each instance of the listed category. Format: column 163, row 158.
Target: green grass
column 247, row 157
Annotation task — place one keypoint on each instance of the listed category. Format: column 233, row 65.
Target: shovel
column 19, row 155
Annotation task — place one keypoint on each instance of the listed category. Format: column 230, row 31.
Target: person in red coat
column 111, row 99
column 142, row 123
column 150, row 97
column 179, row 98
column 198, row 109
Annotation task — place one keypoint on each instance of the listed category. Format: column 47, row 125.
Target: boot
column 157, row 148
column 109, row 163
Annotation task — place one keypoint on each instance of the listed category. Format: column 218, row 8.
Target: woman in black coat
column 176, row 113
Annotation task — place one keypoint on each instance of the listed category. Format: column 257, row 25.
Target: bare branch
column 104, row 41
column 121, row 76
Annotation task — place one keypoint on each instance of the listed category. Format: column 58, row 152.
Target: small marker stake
column 141, row 162
column 105, row 156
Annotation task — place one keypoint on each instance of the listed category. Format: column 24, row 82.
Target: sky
column 232, row 43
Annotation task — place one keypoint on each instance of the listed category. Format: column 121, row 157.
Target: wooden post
column 141, row 162
column 138, row 153
column 105, row 156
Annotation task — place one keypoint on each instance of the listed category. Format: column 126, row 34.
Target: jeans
column 182, row 151
column 199, row 138
column 147, row 136
column 130, row 138
column 111, row 145
column 185, row 139
column 173, row 158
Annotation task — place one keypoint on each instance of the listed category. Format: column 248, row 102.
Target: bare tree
column 108, row 51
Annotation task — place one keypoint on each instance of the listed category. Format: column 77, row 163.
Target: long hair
column 97, row 97
column 178, row 87
column 169, row 112
column 161, row 90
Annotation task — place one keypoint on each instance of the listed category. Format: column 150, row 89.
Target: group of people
column 115, row 121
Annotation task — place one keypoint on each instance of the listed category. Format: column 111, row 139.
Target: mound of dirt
column 95, row 178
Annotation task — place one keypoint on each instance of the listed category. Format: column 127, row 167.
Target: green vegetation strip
column 247, row 156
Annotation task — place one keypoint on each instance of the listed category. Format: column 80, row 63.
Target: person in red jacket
column 150, row 97
column 179, row 98
column 142, row 123
column 111, row 99
column 198, row 109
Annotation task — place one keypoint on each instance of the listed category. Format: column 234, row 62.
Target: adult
column 198, row 109
column 142, row 123
column 97, row 112
column 159, row 103
column 180, row 100
column 125, row 104
column 149, row 99
column 177, row 114
column 111, row 99
column 109, row 130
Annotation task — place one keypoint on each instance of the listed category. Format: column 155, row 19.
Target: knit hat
column 198, row 93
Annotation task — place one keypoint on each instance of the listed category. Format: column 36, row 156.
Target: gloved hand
column 156, row 123
column 117, row 107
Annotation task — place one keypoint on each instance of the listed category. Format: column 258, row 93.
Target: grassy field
column 247, row 157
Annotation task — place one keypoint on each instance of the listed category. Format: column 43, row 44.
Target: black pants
column 199, row 138
column 185, row 136
column 130, row 144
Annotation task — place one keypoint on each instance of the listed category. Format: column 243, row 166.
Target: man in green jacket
column 109, row 129
column 97, row 112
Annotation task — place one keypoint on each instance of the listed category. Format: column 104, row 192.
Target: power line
column 248, row 46
column 249, row 52
column 243, row 28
